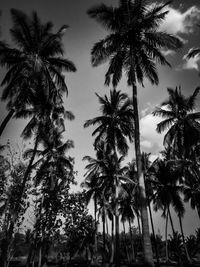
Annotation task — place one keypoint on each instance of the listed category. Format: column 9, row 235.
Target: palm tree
column 167, row 191
column 38, row 55
column 180, row 120
column 115, row 123
column 133, row 45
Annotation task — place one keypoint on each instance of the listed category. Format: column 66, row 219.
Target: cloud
column 192, row 63
column 168, row 52
column 178, row 22
column 151, row 141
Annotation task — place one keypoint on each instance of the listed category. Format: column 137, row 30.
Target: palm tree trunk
column 125, row 241
column 147, row 248
column 104, row 234
column 6, row 120
column 171, row 221
column 95, row 220
column 166, row 241
column 113, row 241
column 183, row 238
column 117, row 251
column 153, row 232
column 131, row 236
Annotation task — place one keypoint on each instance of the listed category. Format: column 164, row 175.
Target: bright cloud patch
column 177, row 22
column 151, row 141
column 192, row 63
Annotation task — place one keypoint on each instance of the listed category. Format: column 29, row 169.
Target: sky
column 78, row 40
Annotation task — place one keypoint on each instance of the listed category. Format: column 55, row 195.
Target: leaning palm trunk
column 183, row 238
column 3, row 258
column 6, row 120
column 147, row 249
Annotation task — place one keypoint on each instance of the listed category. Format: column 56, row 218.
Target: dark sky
column 78, row 41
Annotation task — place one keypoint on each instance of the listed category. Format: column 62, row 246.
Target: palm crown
column 134, row 40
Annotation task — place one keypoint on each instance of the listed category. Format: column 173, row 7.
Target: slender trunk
column 125, row 242
column 132, row 245
column 183, row 238
column 174, row 234
column 106, row 219
column 6, row 120
column 117, row 251
column 139, row 227
column 153, row 232
column 104, row 235
column 171, row 221
column 113, row 241
column 40, row 256
column 95, row 221
column 166, row 241
column 147, row 248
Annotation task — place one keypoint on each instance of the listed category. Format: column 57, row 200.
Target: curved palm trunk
column 3, row 259
column 183, row 238
column 6, row 120
column 147, row 248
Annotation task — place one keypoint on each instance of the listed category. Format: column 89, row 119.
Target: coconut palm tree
column 180, row 120
column 133, row 45
column 168, row 191
column 115, row 123
column 38, row 55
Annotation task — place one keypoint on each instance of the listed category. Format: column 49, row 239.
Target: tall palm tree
column 38, row 54
column 181, row 121
column 133, row 45
column 115, row 126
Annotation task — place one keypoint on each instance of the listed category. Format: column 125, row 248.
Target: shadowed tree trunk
column 132, row 244
column 148, row 254
column 6, row 120
column 183, row 238
column 166, row 241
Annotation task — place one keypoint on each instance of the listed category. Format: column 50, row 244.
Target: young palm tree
column 181, row 121
column 133, row 45
column 38, row 55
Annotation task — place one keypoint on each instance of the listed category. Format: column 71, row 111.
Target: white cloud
column 151, row 141
column 178, row 22
column 192, row 63
column 168, row 52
